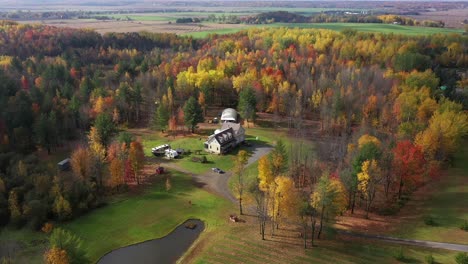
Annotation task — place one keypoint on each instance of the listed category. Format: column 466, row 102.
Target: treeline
column 51, row 94
column 335, row 17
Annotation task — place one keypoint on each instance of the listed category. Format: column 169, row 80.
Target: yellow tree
column 265, row 175
column 95, row 145
column 364, row 139
column 116, row 170
column 328, row 198
column 240, row 161
column 136, row 158
column 288, row 200
column 368, row 180
column 56, row 256
column 81, row 163
column 442, row 137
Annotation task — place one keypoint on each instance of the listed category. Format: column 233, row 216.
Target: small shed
column 64, row 165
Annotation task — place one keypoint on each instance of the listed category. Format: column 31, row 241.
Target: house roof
column 236, row 127
column 224, row 137
column 229, row 114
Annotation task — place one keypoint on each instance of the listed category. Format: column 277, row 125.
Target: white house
column 221, row 141
column 239, row 131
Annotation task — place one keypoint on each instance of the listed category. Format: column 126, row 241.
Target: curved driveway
column 218, row 183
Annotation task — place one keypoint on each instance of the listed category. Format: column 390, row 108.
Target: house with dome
column 230, row 135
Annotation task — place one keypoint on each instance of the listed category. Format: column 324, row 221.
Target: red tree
column 408, row 164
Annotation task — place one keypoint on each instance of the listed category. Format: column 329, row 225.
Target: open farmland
column 162, row 24
column 138, row 26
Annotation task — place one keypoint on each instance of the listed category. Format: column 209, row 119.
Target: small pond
column 163, row 250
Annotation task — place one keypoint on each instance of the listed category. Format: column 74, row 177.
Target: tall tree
column 328, row 198
column 105, row 128
column 279, row 159
column 193, row 114
column 240, row 161
column 408, row 165
column 45, row 129
column 369, row 179
column 136, row 158
column 247, row 104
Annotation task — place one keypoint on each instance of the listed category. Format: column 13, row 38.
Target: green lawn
column 241, row 243
column 151, row 214
column 361, row 27
column 447, row 205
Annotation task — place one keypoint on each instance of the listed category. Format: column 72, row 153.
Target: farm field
column 162, row 23
column 381, row 28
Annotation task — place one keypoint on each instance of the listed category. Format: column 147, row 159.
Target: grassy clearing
column 447, row 206
column 195, row 142
column 241, row 243
column 27, row 246
column 131, row 218
column 151, row 214
column 361, row 27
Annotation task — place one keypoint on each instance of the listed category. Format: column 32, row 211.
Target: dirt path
column 411, row 242
column 218, row 183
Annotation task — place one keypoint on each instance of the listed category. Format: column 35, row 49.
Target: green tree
column 279, row 159
column 247, row 104
column 161, row 117
column 72, row 245
column 45, row 129
column 193, row 113
column 105, row 128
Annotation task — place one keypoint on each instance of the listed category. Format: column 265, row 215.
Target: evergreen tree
column 247, row 103
column 193, row 113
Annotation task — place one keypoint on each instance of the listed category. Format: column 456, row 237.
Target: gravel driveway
column 218, row 183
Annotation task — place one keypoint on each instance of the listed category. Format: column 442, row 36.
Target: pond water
column 163, row 250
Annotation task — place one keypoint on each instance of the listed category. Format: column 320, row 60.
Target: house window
column 217, row 148
column 206, row 146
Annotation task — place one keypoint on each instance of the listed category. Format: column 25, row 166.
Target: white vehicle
column 171, row 154
column 160, row 150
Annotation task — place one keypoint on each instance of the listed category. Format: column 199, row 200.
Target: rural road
column 218, row 183
column 411, row 242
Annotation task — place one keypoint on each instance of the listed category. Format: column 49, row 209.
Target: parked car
column 217, row 170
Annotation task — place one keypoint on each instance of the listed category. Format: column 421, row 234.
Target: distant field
column 382, row 28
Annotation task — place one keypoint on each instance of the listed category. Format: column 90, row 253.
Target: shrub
column 461, row 258
column 430, row 259
column 464, row 226
column 399, row 255
column 204, row 160
column 429, row 220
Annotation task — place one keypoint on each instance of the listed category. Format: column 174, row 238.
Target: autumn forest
column 388, row 114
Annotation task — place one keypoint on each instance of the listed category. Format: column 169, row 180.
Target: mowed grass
column 448, row 206
column 148, row 215
column 360, row 27
column 241, row 243
column 195, row 143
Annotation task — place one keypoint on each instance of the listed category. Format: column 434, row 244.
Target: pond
column 163, row 250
